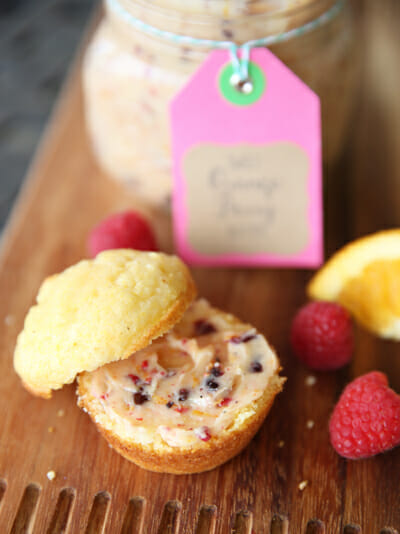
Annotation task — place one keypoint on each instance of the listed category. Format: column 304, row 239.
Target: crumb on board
column 51, row 475
column 61, row 413
column 303, row 484
column 281, row 443
column 9, row 320
column 50, row 429
column 310, row 380
column 310, row 424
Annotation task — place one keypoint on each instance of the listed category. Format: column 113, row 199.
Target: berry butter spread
column 193, row 383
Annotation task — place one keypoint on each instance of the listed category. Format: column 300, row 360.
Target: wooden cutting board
column 95, row 489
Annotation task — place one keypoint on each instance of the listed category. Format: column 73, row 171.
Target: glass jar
column 130, row 77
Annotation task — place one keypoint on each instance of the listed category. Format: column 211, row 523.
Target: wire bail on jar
column 239, row 54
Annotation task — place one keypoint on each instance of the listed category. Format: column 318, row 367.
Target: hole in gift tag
column 242, row 92
column 244, row 86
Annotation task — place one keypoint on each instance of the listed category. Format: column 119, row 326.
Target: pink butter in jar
column 131, row 76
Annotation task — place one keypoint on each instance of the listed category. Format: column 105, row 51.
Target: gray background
column 38, row 39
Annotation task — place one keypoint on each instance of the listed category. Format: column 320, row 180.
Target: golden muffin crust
column 162, row 458
column 206, row 345
column 99, row 311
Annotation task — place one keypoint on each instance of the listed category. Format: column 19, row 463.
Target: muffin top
column 99, row 311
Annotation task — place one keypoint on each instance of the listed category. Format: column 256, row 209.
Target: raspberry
column 366, row 420
column 121, row 230
column 322, row 335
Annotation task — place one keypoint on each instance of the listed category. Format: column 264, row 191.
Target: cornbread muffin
column 99, row 311
column 191, row 400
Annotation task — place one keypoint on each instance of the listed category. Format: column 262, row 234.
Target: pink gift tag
column 247, row 167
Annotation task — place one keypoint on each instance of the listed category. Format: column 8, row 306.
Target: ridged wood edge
column 26, row 513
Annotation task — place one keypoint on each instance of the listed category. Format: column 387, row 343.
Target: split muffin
column 173, row 384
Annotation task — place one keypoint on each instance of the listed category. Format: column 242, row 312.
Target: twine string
column 239, row 54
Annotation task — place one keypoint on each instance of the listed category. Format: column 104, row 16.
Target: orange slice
column 364, row 277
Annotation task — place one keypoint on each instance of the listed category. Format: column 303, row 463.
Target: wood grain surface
column 95, row 489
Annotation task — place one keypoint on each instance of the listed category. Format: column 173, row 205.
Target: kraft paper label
column 247, row 168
